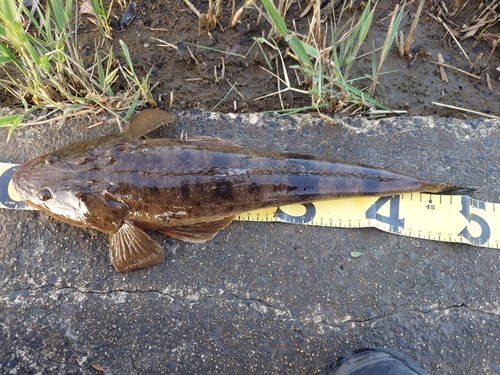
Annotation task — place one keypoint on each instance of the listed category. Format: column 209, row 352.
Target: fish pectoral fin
column 209, row 141
column 130, row 249
column 199, row 232
column 146, row 121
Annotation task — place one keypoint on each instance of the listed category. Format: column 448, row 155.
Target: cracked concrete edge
column 262, row 305
column 450, row 321
column 483, row 127
column 365, row 125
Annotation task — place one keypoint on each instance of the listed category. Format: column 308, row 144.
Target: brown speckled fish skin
column 178, row 186
column 141, row 180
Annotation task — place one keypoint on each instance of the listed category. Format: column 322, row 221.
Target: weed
column 409, row 40
column 389, row 40
column 102, row 17
column 43, row 67
column 324, row 65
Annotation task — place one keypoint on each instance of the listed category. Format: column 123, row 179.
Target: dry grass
column 467, row 110
column 479, row 24
column 319, row 60
column 43, row 68
column 409, row 40
column 461, row 26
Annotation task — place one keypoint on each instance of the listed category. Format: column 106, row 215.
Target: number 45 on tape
column 449, row 218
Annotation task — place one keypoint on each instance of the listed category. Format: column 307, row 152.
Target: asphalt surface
column 259, row 298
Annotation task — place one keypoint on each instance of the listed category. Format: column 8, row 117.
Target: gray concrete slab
column 259, row 298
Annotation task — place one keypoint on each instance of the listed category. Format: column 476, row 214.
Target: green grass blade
column 128, row 59
column 310, row 50
column 17, row 121
column 276, row 19
column 58, row 11
column 8, row 55
column 8, row 10
column 4, row 60
column 68, row 9
column 298, row 47
column 9, row 120
column 259, row 44
column 14, row 125
column 133, row 106
column 100, row 69
column 389, row 40
column 224, row 98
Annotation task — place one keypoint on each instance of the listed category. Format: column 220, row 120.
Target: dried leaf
column 99, row 368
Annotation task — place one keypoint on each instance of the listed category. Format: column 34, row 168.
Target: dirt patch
column 201, row 77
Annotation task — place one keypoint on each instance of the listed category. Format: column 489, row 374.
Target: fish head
column 48, row 183
column 58, row 183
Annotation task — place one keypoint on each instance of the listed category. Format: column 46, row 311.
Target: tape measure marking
column 8, row 194
column 453, row 218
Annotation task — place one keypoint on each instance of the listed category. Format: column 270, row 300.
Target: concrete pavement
column 260, row 297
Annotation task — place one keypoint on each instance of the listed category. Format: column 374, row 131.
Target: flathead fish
column 189, row 189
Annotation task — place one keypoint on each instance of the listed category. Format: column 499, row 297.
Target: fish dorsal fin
column 146, row 121
column 130, row 249
column 209, row 141
column 199, row 232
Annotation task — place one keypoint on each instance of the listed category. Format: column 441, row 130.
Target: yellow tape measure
column 8, row 194
column 448, row 218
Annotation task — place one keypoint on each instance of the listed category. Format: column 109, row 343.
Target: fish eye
column 81, row 196
column 51, row 159
column 44, row 194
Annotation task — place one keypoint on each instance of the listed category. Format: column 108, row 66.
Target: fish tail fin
column 452, row 189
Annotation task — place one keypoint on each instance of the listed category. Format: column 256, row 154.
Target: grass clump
column 98, row 10
column 43, row 68
column 325, row 59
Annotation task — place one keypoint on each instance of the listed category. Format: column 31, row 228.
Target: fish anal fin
column 199, row 232
column 146, row 121
column 131, row 249
column 209, row 141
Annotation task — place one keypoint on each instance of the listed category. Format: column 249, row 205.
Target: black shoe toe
column 377, row 361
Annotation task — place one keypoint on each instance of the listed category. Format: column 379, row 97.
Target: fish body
column 189, row 189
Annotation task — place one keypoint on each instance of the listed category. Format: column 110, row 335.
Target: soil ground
column 203, row 79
